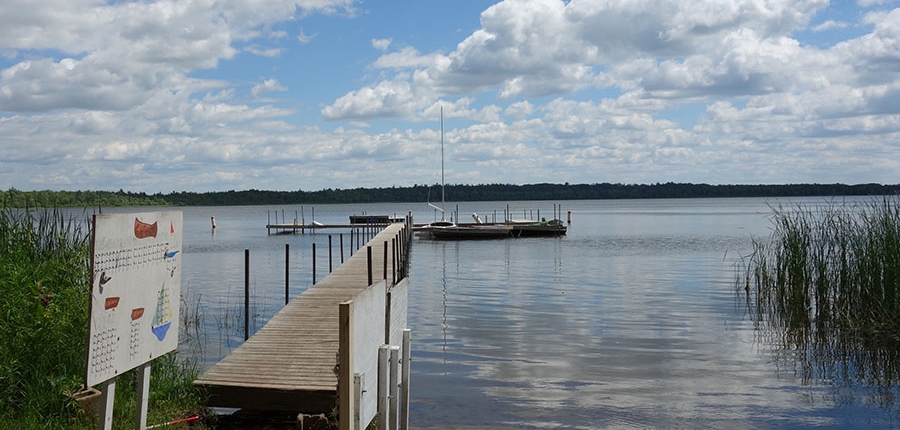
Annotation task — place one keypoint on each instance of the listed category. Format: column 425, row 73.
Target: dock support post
column 329, row 255
column 358, row 379
column 404, row 382
column 385, row 258
column 393, row 386
column 369, row 263
column 394, row 252
column 314, row 263
column 287, row 272
column 341, row 237
column 246, row 294
column 346, row 399
column 383, row 387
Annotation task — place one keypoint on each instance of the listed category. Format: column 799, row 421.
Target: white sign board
column 135, row 291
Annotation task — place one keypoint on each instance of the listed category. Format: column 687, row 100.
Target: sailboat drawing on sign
column 162, row 320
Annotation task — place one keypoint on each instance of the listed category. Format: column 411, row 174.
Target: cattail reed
column 826, row 286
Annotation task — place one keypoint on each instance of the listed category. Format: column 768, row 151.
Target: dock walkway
column 290, row 364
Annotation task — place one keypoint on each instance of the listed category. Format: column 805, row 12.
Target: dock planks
column 290, row 363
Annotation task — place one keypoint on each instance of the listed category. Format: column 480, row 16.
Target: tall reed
column 828, row 283
column 43, row 296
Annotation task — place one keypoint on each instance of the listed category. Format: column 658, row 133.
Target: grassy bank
column 826, row 288
column 44, row 295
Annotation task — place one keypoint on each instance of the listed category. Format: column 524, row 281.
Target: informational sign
column 135, row 291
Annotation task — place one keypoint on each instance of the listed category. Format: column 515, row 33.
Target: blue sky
column 203, row 95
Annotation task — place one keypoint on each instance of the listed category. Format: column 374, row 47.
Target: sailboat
column 445, row 229
column 428, row 229
column 162, row 319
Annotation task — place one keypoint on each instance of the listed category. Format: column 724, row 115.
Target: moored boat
column 553, row 227
column 471, row 231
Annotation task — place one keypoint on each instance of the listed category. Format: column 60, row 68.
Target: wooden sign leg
column 143, row 393
column 109, row 397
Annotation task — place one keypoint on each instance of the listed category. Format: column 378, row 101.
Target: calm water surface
column 631, row 320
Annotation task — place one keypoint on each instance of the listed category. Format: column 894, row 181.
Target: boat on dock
column 376, row 219
column 443, row 224
column 553, row 227
column 472, row 231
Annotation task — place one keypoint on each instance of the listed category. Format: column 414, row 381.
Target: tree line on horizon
column 421, row 193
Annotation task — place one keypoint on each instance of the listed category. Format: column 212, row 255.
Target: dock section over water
column 333, row 329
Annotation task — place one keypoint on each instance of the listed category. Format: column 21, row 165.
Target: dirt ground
column 266, row 420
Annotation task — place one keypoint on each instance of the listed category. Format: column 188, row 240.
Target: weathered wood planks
column 290, row 363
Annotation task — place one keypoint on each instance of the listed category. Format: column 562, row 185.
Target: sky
column 216, row 95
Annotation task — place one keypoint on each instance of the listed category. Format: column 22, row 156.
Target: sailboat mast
column 442, row 163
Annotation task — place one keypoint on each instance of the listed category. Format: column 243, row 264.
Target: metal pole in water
column 287, row 272
column 246, row 294
column 369, row 263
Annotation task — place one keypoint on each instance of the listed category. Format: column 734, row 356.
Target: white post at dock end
column 383, row 353
column 404, row 382
column 358, row 389
column 393, row 394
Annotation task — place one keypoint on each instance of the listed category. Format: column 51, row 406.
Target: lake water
column 631, row 320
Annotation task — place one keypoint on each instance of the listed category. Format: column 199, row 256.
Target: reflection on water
column 859, row 368
column 628, row 321
column 634, row 326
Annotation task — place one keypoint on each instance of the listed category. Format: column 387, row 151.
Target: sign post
column 135, row 294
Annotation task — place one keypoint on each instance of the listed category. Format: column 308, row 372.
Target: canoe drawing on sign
column 163, row 317
column 171, row 254
column 110, row 303
column 144, row 230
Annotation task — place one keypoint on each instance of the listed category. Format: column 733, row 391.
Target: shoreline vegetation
column 419, row 193
column 44, row 296
column 825, row 287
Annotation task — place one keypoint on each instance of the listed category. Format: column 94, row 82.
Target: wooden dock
column 291, row 363
column 290, row 228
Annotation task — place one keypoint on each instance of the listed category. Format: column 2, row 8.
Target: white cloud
column 266, row 86
column 303, row 38
column 543, row 90
column 264, row 52
column 381, row 44
column 830, row 24
column 406, row 58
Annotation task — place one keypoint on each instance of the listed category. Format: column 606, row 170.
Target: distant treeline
column 421, row 193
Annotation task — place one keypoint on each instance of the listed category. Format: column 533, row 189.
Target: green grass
column 44, row 294
column 826, row 286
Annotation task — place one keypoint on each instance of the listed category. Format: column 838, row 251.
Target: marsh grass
column 44, row 295
column 826, row 285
